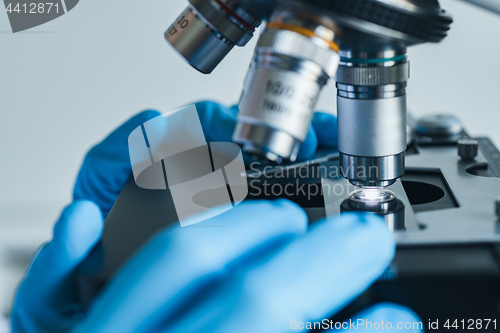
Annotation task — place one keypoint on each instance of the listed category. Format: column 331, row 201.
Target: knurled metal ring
column 431, row 27
column 372, row 76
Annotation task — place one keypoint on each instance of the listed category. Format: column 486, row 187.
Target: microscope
column 303, row 44
column 435, row 186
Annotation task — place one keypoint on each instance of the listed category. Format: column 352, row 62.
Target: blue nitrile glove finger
column 180, row 262
column 218, row 122
column 310, row 280
column 46, row 299
column 325, row 126
column 384, row 316
column 107, row 167
column 309, row 146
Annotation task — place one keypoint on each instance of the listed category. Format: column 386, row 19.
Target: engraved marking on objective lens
column 276, row 107
column 278, row 88
column 182, row 22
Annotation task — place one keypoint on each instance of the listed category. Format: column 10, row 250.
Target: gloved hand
column 251, row 269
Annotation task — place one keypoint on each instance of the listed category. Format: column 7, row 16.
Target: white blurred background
column 66, row 84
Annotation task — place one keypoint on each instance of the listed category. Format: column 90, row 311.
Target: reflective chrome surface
column 372, row 171
column 261, row 141
column 371, row 127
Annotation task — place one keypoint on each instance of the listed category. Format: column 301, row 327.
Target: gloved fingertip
column 208, row 107
column 361, row 217
column 285, row 203
column 117, row 141
column 77, row 230
column 217, row 120
column 397, row 310
column 293, row 212
column 392, row 313
column 385, row 245
column 365, row 220
column 145, row 116
column 278, row 212
column 309, row 146
column 204, row 105
column 137, row 120
column 369, row 231
column 235, row 109
column 325, row 126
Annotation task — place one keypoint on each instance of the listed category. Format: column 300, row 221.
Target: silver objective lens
column 280, row 91
column 371, row 111
column 207, row 30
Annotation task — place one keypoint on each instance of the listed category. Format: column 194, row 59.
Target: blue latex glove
column 257, row 272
